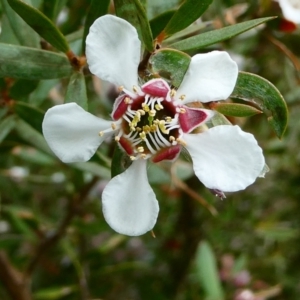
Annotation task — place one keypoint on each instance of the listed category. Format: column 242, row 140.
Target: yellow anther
column 101, row 133
column 140, row 149
column 145, row 107
column 132, row 157
column 173, row 93
column 182, row 97
column 146, row 128
column 117, row 138
column 168, row 119
column 162, row 127
column 171, row 138
column 181, row 142
column 127, row 100
column 182, row 110
column 113, row 126
column 158, row 106
column 138, row 129
column 153, row 128
column 143, row 156
column 152, row 113
column 142, row 112
column 143, row 135
column 120, row 88
column 135, row 89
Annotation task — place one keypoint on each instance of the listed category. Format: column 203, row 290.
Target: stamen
column 181, row 142
column 143, row 156
column 113, row 126
column 101, row 133
column 158, row 106
column 120, row 88
column 143, row 135
column 145, row 107
column 152, row 113
column 140, row 149
column 127, row 100
column 173, row 93
column 182, row 97
column 168, row 119
column 135, row 89
column 132, row 157
column 171, row 138
column 117, row 138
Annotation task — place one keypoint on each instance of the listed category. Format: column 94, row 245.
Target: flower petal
column 113, row 51
column 156, row 88
column 225, row 157
column 210, row 77
column 290, row 10
column 129, row 203
column 72, row 133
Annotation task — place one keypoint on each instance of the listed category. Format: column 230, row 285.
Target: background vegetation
column 54, row 242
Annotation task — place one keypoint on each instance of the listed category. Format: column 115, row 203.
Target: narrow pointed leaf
column 22, row 88
column 6, row 126
column 215, row 36
column 33, row 64
column 133, row 12
column 253, row 88
column 158, row 23
column 207, row 270
column 236, row 109
column 76, row 91
column 170, row 64
column 31, row 114
column 51, row 8
column 96, row 10
column 187, row 13
column 24, row 33
column 41, row 24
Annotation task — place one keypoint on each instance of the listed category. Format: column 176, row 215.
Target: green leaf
column 258, row 90
column 96, row 10
column 22, row 88
column 134, row 13
column 158, row 23
column 6, row 126
column 24, row 33
column 93, row 168
column 51, row 8
column 54, row 293
column 27, row 63
column 120, row 162
column 41, row 24
column 170, row 64
column 219, row 119
column 32, row 136
column 31, row 114
column 236, row 109
column 212, row 37
column 76, row 91
column 187, row 13
column 206, row 266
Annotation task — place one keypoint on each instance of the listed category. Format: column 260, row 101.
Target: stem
column 49, row 242
column 13, row 280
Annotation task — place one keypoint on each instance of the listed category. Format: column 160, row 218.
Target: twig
column 49, row 242
column 13, row 280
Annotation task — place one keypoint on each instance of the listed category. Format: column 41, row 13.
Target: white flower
column 291, row 10
column 153, row 122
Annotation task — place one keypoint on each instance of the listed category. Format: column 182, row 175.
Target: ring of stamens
column 151, row 125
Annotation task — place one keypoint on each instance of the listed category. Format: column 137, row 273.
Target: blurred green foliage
column 53, row 237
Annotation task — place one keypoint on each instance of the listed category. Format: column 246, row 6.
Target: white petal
column 225, row 157
column 72, row 133
column 291, row 10
column 129, row 203
column 210, row 77
column 113, row 51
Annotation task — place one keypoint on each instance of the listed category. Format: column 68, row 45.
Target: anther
column 158, row 106
column 182, row 97
column 135, row 89
column 127, row 100
column 182, row 110
column 143, row 135
column 181, row 142
column 173, row 93
column 171, row 138
column 142, row 112
column 140, row 149
column 143, row 156
column 113, row 126
column 120, row 88
column 145, row 107
column 168, row 119
column 132, row 157
column 101, row 133
column 152, row 113
column 117, row 138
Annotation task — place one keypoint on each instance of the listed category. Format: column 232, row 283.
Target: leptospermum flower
column 153, row 122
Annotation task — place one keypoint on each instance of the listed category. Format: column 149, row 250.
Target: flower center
column 149, row 125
